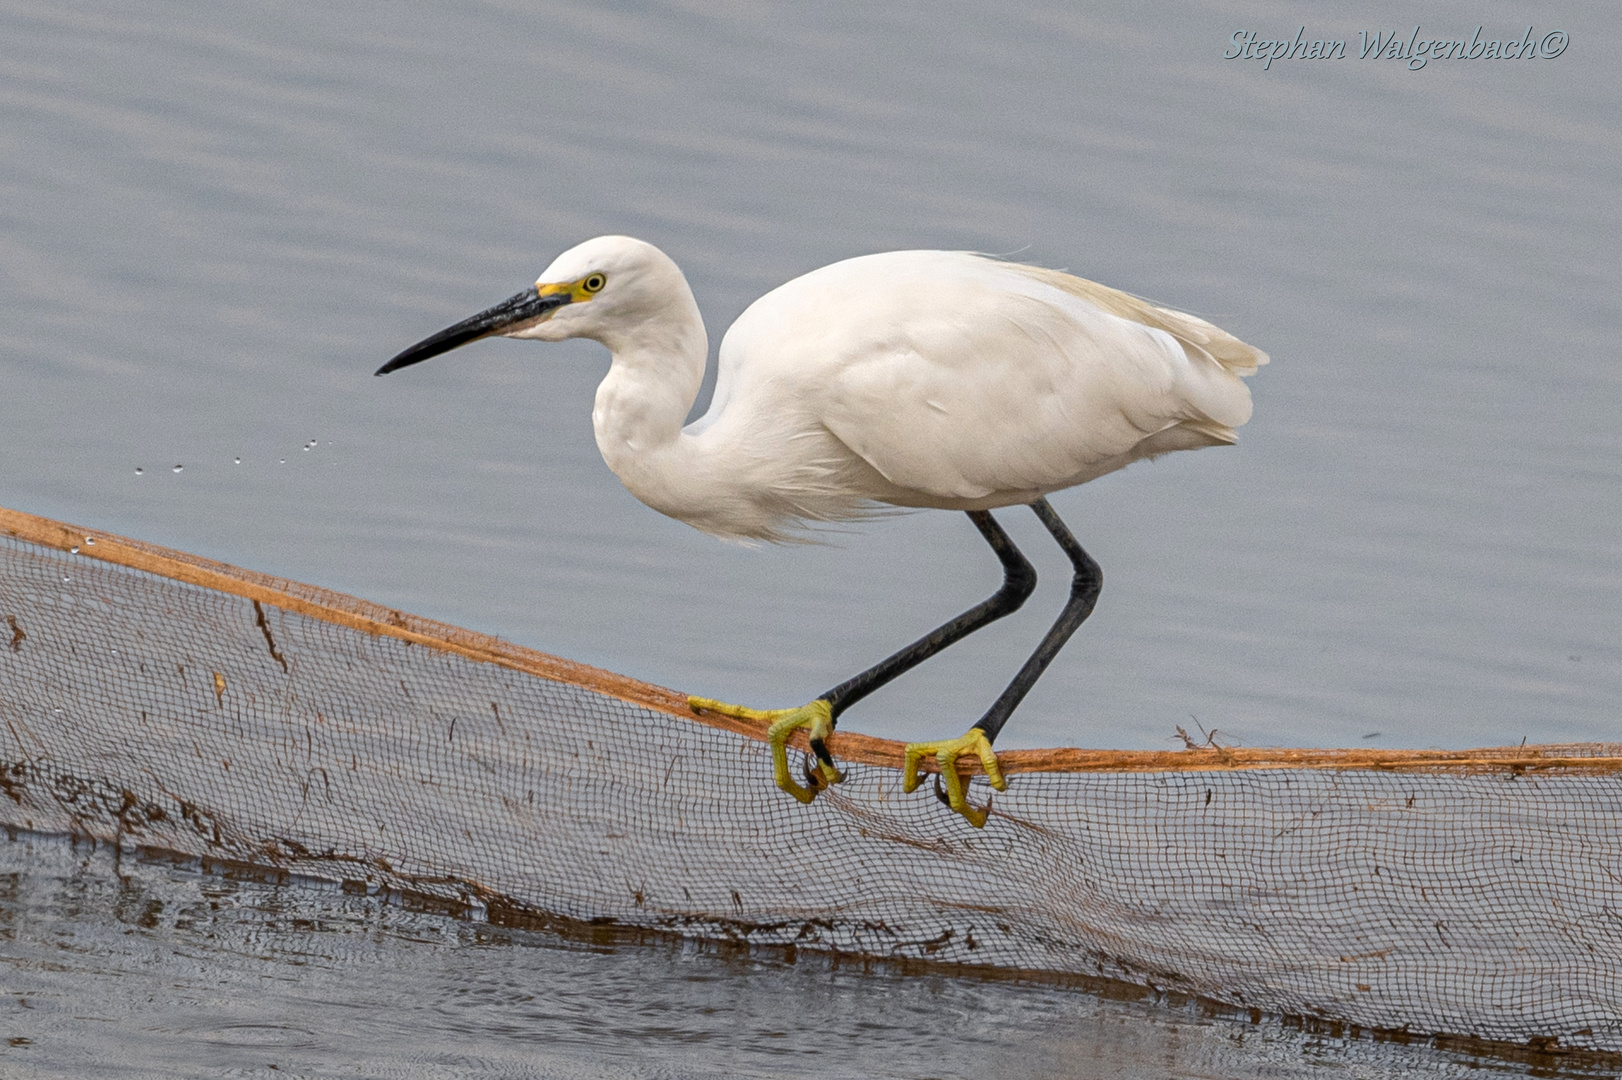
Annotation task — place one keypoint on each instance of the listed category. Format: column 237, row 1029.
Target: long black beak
column 527, row 306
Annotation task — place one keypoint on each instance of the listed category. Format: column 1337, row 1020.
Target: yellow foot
column 818, row 720
column 946, row 752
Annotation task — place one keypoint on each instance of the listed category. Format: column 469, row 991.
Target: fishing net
column 166, row 703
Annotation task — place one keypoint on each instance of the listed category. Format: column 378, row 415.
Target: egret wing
column 997, row 380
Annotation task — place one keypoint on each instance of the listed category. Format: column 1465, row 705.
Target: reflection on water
column 130, row 969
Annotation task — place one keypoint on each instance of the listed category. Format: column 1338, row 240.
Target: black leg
column 1019, row 580
column 1084, row 588
column 818, row 716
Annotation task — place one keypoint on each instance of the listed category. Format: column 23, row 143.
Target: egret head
column 601, row 289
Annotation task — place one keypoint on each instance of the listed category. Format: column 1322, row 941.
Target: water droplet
column 74, row 550
column 65, row 579
column 177, row 468
column 139, row 470
column 90, row 541
column 239, row 461
column 282, row 461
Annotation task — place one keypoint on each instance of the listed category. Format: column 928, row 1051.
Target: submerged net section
column 156, row 700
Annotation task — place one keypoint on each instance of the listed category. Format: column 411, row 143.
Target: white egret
column 911, row 378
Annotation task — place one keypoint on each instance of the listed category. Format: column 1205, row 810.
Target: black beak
column 527, row 306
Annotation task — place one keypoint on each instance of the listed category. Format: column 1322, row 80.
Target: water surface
column 217, row 223
column 129, row 969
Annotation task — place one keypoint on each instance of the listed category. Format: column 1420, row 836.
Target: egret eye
column 594, row 283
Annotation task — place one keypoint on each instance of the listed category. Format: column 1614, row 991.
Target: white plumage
column 911, row 378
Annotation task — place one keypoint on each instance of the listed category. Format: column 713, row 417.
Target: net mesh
column 157, row 700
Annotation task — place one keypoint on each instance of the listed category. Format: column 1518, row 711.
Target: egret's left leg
column 1085, row 585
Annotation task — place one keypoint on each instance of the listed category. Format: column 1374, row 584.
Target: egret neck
column 654, row 377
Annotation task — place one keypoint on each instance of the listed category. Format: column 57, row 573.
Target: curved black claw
column 815, row 782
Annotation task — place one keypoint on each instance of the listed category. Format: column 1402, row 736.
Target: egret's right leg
column 817, row 718
column 820, row 716
column 1085, row 584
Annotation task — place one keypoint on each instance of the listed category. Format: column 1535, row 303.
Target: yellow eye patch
column 584, row 289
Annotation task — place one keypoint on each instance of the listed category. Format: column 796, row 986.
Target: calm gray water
column 135, row 971
column 217, row 220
